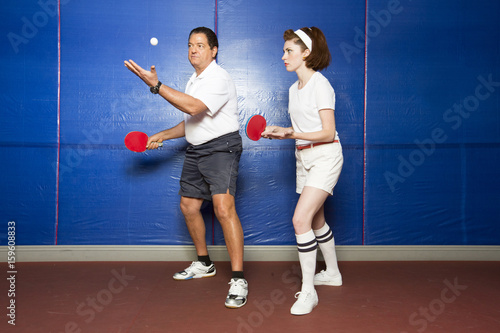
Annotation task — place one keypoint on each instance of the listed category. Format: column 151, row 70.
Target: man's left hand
column 149, row 77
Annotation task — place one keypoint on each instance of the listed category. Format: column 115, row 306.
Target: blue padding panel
column 251, row 50
column 451, row 198
column 110, row 195
column 28, row 194
column 130, row 198
column 28, row 126
column 433, row 134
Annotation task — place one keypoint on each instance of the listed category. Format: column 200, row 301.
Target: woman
column 319, row 158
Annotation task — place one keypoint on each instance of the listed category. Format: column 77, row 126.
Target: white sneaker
column 325, row 279
column 306, row 302
column 195, row 271
column 237, row 295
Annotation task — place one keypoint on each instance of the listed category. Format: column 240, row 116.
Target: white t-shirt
column 304, row 105
column 215, row 88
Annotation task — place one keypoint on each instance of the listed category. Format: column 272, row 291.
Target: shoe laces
column 237, row 286
column 326, row 275
column 302, row 296
column 192, row 267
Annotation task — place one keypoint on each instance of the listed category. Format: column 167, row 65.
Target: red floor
column 133, row 297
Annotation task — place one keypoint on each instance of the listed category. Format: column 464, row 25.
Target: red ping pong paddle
column 255, row 126
column 137, row 141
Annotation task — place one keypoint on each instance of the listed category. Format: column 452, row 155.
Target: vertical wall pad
column 28, row 126
column 433, row 126
column 110, row 195
column 251, row 35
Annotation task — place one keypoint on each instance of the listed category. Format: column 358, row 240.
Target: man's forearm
column 178, row 131
column 184, row 102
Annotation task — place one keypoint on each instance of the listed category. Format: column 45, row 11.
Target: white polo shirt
column 215, row 88
column 304, row 105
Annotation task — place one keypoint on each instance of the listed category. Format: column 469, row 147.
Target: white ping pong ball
column 153, row 41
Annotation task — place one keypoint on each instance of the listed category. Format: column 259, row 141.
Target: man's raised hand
column 149, row 77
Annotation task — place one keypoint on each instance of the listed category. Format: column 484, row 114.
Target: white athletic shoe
column 306, row 302
column 195, row 271
column 325, row 279
column 237, row 295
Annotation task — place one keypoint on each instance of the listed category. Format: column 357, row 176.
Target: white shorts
column 319, row 166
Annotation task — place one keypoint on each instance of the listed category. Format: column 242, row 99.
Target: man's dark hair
column 211, row 36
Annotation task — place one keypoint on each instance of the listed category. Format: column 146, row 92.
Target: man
column 210, row 169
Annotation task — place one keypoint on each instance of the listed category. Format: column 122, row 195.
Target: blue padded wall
column 432, row 140
column 253, row 56
column 28, row 127
column 130, row 198
column 418, row 95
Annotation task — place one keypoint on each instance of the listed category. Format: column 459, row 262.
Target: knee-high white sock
column 326, row 243
column 308, row 248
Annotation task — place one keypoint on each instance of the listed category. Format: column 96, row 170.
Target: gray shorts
column 212, row 167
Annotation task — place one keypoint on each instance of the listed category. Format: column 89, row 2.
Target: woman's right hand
column 277, row 132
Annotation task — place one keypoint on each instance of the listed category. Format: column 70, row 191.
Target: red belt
column 315, row 144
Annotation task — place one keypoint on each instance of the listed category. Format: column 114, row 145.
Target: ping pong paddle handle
column 160, row 144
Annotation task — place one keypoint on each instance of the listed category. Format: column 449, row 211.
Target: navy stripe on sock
column 326, row 237
column 307, row 244
column 309, row 249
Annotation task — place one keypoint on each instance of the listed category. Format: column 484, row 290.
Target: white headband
column 305, row 38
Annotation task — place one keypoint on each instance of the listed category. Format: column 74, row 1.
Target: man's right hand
column 154, row 140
